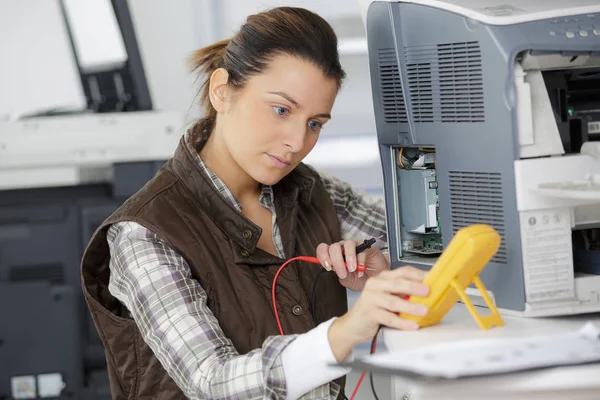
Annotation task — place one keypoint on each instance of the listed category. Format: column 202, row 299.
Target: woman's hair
column 284, row 30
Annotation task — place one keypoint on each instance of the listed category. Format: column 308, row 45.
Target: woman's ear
column 218, row 89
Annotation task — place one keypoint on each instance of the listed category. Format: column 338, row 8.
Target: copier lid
column 505, row 12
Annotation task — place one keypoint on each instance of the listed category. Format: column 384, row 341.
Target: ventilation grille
column 461, row 82
column 476, row 198
column 392, row 100
column 445, row 82
column 419, row 63
column 53, row 273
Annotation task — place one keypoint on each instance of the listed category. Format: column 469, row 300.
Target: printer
column 488, row 112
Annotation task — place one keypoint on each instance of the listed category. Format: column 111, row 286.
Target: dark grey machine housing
column 443, row 81
column 46, row 326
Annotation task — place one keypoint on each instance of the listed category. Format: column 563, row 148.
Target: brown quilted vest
column 182, row 206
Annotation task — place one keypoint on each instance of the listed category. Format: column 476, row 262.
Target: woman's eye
column 280, row 110
column 314, row 125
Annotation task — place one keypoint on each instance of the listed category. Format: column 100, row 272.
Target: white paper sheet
column 470, row 358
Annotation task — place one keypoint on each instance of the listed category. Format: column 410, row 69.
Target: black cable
column 371, row 372
column 314, row 302
column 372, row 385
column 313, row 297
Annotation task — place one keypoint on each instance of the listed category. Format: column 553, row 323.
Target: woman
column 178, row 280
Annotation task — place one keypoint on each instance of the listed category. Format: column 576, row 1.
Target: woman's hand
column 379, row 304
column 332, row 258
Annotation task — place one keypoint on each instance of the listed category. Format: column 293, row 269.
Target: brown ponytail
column 204, row 62
column 282, row 30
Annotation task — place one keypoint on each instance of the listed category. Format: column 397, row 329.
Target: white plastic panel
column 498, row 12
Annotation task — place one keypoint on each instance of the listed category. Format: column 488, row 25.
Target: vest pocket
column 118, row 335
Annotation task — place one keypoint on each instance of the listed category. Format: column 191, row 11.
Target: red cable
column 312, row 260
column 373, row 349
column 362, row 376
column 315, row 260
column 273, row 291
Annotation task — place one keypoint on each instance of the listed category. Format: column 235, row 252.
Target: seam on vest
column 155, row 230
column 148, row 225
column 189, row 198
column 167, row 187
column 136, row 383
column 192, row 199
column 133, row 218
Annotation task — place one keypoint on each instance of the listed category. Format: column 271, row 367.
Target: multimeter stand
column 485, row 321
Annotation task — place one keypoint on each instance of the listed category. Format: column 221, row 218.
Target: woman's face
column 274, row 121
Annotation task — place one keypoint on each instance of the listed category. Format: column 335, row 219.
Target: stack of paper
column 471, row 358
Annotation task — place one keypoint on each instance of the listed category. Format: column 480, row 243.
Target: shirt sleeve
column 308, row 361
column 170, row 309
column 361, row 216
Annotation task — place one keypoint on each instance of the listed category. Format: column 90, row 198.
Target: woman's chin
column 270, row 178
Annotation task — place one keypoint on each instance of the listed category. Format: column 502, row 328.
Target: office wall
column 38, row 70
column 168, row 31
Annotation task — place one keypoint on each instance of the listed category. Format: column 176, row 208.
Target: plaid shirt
column 170, row 308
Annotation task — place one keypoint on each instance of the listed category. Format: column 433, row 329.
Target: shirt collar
column 266, row 198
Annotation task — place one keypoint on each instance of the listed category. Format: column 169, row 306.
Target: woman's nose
column 295, row 138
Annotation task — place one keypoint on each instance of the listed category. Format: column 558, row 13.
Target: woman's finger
column 407, row 272
column 397, row 285
column 350, row 254
column 337, row 260
column 323, row 256
column 361, row 258
column 395, row 304
column 392, row 320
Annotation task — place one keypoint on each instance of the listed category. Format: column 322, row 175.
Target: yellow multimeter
column 468, row 253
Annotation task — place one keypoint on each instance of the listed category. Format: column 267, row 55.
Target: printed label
column 432, row 216
column 503, row 10
column 23, row 387
column 50, row 385
column 547, row 254
column 593, row 127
